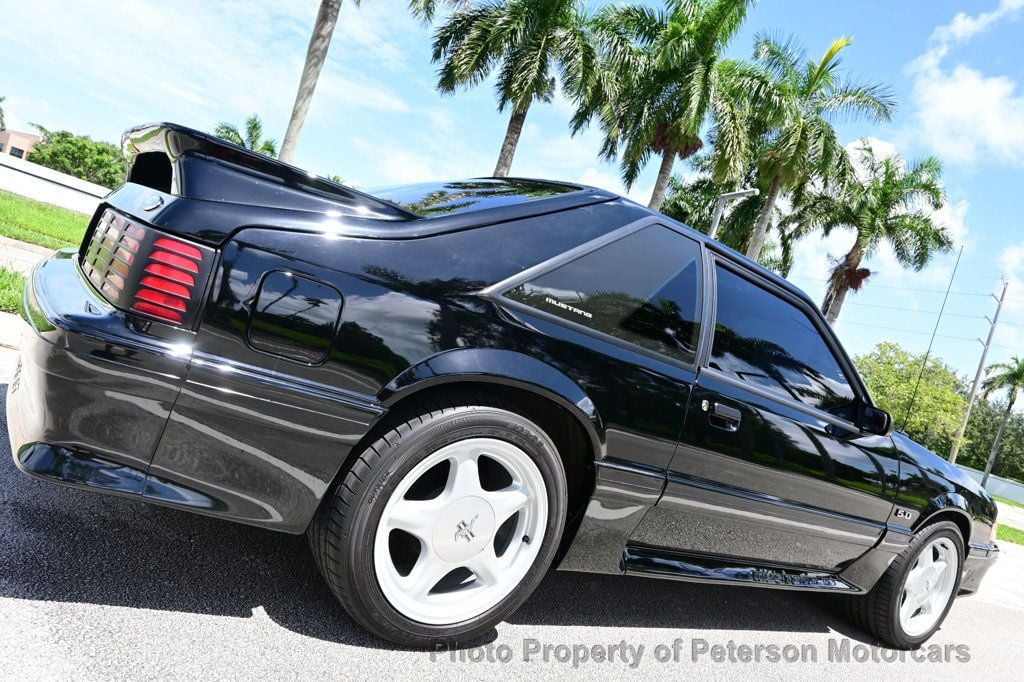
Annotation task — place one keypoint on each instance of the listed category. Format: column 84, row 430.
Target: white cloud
column 20, row 112
column 1010, row 337
column 961, row 113
column 965, row 26
column 181, row 69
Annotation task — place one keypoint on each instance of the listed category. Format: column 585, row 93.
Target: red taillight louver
column 140, row 269
column 165, row 293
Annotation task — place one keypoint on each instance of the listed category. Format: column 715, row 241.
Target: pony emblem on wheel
column 464, row 531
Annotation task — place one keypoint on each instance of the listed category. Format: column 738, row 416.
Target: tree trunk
column 316, row 54
column 761, row 229
column 508, row 147
column 999, row 437
column 839, row 284
column 668, row 160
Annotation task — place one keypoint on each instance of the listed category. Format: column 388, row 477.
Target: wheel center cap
column 462, row 529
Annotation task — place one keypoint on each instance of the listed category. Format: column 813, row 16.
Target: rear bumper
column 91, row 391
column 979, row 559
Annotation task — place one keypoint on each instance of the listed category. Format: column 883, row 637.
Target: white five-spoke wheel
column 446, row 522
column 911, row 599
column 929, row 587
column 460, row 531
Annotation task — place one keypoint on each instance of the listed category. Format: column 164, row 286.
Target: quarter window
column 764, row 340
column 643, row 288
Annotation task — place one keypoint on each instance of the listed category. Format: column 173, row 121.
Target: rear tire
column 912, row 598
column 444, row 525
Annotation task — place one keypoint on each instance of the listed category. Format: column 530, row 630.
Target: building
column 16, row 143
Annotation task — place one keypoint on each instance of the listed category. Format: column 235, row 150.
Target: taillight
column 140, row 269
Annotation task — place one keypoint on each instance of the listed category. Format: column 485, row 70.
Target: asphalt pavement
column 96, row 587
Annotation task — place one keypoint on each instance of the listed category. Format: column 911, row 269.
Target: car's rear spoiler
column 188, row 163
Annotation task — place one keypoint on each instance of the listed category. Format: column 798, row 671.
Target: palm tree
column 1008, row 376
column 425, row 9
column 805, row 98
column 316, row 55
column 253, row 138
column 661, row 79
column 886, row 202
column 525, row 41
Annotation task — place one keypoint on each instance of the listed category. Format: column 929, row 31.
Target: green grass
column 1009, row 502
column 38, row 223
column 1010, row 534
column 11, row 286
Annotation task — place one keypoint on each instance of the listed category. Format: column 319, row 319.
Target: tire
column 879, row 611
column 407, row 503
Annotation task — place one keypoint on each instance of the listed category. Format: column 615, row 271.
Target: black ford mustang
column 452, row 387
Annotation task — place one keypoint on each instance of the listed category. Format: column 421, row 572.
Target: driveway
column 99, row 587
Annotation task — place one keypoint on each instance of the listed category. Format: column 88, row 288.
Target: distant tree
column 986, row 420
column 1009, row 377
column 891, row 371
column 80, row 156
column 3, row 123
column 252, row 139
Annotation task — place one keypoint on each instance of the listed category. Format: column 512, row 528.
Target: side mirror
column 874, row 420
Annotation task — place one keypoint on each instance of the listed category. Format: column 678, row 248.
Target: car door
column 621, row 318
column 770, row 466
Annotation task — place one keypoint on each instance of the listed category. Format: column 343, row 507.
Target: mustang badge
column 464, row 531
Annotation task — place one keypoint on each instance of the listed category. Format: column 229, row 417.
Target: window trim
column 496, row 292
column 817, row 319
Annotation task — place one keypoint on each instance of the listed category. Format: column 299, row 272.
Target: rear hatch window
column 431, row 199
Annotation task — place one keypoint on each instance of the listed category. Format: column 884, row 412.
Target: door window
column 643, row 289
column 765, row 340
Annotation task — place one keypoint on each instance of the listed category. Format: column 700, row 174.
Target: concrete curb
column 11, row 327
column 25, row 246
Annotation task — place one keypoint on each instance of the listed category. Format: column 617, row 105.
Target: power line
column 886, row 286
column 906, row 331
column 912, row 310
column 935, row 331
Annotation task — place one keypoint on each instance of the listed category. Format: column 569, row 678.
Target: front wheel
column 444, row 525
column 914, row 595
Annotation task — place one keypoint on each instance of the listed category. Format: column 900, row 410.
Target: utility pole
column 958, row 438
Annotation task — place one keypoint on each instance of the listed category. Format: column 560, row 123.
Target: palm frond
column 829, row 62
column 782, row 55
column 849, row 100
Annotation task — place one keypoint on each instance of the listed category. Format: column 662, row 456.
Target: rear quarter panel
column 259, row 438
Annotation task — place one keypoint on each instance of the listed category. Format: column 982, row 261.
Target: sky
column 98, row 68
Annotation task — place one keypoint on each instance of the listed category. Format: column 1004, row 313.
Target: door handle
column 722, row 416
